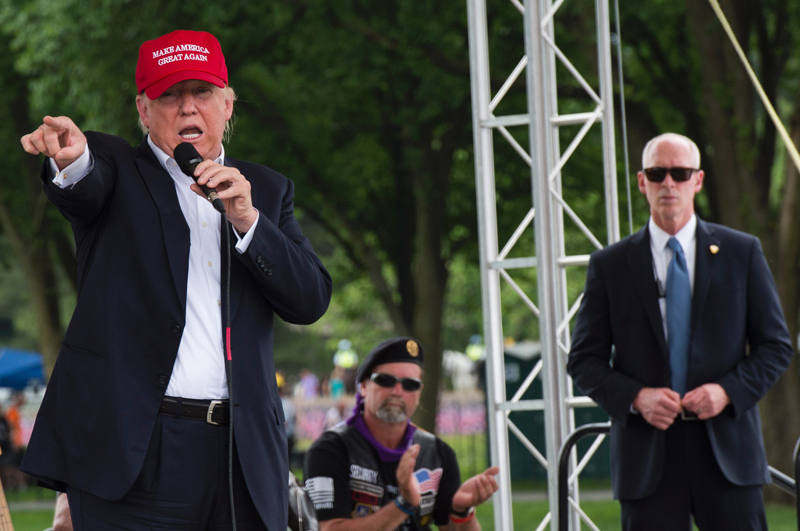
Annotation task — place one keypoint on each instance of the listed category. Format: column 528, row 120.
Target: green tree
column 29, row 223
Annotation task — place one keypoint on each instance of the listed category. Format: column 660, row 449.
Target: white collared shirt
column 662, row 256
column 199, row 370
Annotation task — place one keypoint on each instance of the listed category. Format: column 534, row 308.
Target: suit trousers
column 183, row 486
column 692, row 484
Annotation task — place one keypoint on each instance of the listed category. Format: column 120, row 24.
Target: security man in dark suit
column 135, row 422
column 692, row 313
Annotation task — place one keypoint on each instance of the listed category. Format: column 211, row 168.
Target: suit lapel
column 173, row 223
column 640, row 259
column 704, row 263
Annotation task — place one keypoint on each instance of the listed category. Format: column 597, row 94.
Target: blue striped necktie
column 679, row 316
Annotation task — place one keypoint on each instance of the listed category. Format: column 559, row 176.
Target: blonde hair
column 226, row 133
column 671, row 137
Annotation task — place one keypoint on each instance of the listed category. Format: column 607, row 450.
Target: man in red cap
column 169, row 330
column 377, row 470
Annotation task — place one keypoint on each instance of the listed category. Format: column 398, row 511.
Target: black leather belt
column 688, row 415
column 211, row 411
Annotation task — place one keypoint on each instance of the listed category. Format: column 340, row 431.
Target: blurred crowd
column 12, row 443
column 312, row 403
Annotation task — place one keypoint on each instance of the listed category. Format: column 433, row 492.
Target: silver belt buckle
column 211, row 411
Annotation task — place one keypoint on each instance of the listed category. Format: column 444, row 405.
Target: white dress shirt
column 662, row 256
column 199, row 370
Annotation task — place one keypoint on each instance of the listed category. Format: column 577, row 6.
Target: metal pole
column 490, row 280
column 541, row 149
column 607, row 95
column 545, row 159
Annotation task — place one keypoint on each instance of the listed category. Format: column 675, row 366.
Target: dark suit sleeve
column 767, row 336
column 82, row 203
column 287, row 269
column 589, row 361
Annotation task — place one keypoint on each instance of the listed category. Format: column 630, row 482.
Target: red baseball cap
column 179, row 56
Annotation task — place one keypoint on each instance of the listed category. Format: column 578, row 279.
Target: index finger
column 205, row 165
column 409, row 455
column 491, row 471
column 59, row 123
column 691, row 397
column 672, row 396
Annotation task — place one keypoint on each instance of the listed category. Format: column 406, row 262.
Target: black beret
column 399, row 349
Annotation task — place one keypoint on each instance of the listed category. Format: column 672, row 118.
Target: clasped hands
column 472, row 492
column 660, row 406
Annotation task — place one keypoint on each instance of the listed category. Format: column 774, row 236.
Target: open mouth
column 190, row 133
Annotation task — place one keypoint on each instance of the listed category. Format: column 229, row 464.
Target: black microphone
column 188, row 158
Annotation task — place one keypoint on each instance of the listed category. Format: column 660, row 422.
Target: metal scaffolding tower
column 546, row 160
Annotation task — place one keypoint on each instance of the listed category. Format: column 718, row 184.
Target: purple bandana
column 356, row 420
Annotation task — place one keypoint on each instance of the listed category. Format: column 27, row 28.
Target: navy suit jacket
column 97, row 417
column 739, row 340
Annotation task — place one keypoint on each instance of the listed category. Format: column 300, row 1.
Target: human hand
column 659, row 406
column 232, row 188
column 407, row 483
column 475, row 490
column 58, row 138
column 707, row 401
column 62, row 520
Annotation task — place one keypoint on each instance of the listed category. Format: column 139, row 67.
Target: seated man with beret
column 377, row 470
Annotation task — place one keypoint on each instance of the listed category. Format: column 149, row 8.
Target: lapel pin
column 714, row 249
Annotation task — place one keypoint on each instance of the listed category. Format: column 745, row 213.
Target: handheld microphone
column 188, row 158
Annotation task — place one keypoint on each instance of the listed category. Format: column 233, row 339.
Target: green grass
column 527, row 517
column 605, row 515
column 32, row 520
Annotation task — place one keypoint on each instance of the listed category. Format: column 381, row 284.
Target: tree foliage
column 366, row 106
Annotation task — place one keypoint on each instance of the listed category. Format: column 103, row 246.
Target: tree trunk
column 780, row 409
column 728, row 101
column 730, row 130
column 431, row 281
column 33, row 258
column 28, row 230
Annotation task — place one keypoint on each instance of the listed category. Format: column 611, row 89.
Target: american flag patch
column 320, row 489
column 428, row 479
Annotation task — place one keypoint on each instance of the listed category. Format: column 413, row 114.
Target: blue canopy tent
column 20, row 368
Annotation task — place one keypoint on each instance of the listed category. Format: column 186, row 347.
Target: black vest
column 368, row 489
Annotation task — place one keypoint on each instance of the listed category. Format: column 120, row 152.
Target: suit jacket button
column 176, row 328
column 163, row 380
column 269, row 272
column 259, row 259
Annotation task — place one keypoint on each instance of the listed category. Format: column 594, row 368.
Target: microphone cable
column 228, row 362
column 188, row 158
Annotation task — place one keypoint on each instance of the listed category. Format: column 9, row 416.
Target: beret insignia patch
column 412, row 348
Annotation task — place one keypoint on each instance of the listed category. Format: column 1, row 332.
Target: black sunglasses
column 679, row 175
column 389, row 381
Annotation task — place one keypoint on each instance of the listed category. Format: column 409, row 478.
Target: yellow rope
column 787, row 140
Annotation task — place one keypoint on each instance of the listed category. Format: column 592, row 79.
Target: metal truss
column 550, row 210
